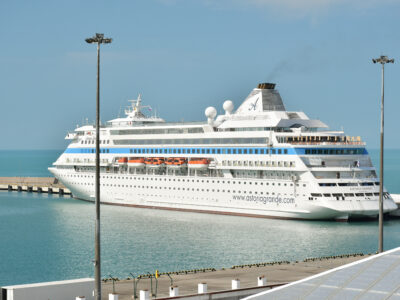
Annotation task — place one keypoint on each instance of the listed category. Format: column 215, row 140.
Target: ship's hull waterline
column 272, row 207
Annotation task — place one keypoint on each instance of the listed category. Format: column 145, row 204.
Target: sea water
column 48, row 237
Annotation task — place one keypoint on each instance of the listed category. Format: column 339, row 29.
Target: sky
column 186, row 55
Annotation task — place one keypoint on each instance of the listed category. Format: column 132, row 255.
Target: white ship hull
column 214, row 195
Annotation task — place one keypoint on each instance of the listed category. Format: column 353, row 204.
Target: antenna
column 120, row 108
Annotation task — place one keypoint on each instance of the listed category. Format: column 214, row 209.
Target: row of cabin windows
column 349, row 184
column 90, row 150
column 210, row 151
column 221, row 150
column 183, row 180
column 157, row 131
column 193, row 151
column 385, row 194
column 193, row 141
column 334, row 151
column 258, row 163
column 94, row 141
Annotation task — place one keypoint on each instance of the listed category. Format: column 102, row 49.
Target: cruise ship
column 259, row 160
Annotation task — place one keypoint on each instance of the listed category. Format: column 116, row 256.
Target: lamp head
column 98, row 38
column 90, row 40
column 383, row 59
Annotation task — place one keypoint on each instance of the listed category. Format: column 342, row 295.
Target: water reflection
column 51, row 238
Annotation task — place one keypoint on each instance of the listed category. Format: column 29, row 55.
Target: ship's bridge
column 135, row 115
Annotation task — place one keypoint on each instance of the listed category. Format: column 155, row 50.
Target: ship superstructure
column 257, row 160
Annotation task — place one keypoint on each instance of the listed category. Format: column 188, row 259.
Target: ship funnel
column 266, row 86
column 263, row 98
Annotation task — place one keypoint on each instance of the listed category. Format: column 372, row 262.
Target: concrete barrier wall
column 30, row 181
column 60, row 290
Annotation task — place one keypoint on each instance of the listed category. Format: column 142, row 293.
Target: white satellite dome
column 210, row 112
column 228, row 106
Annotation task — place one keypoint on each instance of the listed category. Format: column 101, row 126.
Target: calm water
column 47, row 238
column 33, row 163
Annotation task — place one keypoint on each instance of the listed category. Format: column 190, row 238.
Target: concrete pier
column 33, row 184
column 219, row 282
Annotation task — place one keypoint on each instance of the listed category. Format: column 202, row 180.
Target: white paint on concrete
column 235, row 284
column 261, row 280
column 112, row 296
column 202, row 288
column 173, row 291
column 144, row 295
column 60, row 290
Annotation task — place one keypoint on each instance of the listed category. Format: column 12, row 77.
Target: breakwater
column 34, row 184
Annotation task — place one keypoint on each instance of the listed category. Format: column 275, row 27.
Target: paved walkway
column 221, row 279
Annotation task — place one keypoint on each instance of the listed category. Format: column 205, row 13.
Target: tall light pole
column 97, row 39
column 381, row 60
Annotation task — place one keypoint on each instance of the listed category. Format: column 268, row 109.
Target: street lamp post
column 97, row 39
column 381, row 60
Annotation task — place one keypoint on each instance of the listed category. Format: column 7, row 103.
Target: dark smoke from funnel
column 303, row 62
column 279, row 69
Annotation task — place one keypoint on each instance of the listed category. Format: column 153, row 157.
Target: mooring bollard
column 173, row 291
column 261, row 280
column 144, row 295
column 202, row 288
column 235, row 284
column 112, row 296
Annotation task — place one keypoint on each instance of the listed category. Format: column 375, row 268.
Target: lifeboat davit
column 199, row 163
column 176, row 162
column 123, row 160
column 136, row 162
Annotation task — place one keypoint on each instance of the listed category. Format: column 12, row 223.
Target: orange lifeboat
column 199, row 163
column 123, row 160
column 154, row 162
column 158, row 160
column 148, row 160
column 169, row 161
column 136, row 162
column 176, row 162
